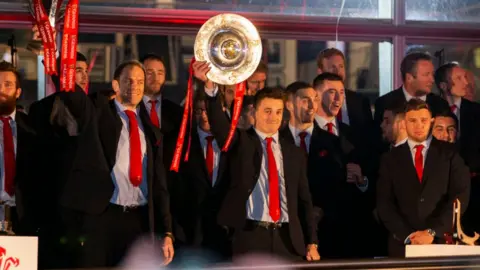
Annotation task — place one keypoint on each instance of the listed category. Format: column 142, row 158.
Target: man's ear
column 18, row 92
column 115, row 86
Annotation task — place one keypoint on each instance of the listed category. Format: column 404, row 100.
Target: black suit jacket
column 244, row 166
column 359, row 112
column 88, row 186
column 405, row 205
column 198, row 202
column 397, row 98
column 469, row 140
column 26, row 192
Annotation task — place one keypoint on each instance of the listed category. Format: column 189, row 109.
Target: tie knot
column 419, row 147
column 6, row 118
column 131, row 115
column 453, row 107
column 209, row 138
column 154, row 102
column 269, row 140
column 330, row 125
column 302, row 135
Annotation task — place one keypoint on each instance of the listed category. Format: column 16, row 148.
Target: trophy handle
column 461, row 236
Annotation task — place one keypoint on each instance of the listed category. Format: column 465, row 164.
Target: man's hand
column 167, row 248
column 200, row 70
column 354, row 174
column 421, row 238
column 312, row 253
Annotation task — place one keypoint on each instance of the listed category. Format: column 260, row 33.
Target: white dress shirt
column 257, row 203
column 125, row 193
column 295, row 133
column 408, row 96
column 401, row 142
column 4, row 195
column 322, row 123
column 202, row 135
column 158, row 107
column 426, row 145
column 458, row 104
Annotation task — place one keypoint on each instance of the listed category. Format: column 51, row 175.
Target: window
column 443, row 10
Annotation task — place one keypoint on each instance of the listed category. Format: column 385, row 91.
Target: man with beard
column 17, row 190
column 445, row 128
column 393, row 126
column 418, row 78
column 419, row 181
column 163, row 113
column 117, row 183
column 337, row 177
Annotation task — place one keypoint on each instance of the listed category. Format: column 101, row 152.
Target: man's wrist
column 431, row 232
column 169, row 235
column 312, row 245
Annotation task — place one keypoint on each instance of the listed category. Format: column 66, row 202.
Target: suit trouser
column 267, row 241
column 110, row 234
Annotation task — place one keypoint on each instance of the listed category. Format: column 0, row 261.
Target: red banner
column 187, row 113
column 69, row 47
column 46, row 34
column 237, row 109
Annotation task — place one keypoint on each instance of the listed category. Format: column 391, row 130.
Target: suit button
column 422, row 199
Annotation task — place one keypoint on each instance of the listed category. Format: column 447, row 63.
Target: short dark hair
column 262, row 67
column 269, row 92
column 416, row 104
column 327, row 53
column 396, row 109
column 151, row 56
column 80, row 58
column 200, row 95
column 409, row 63
column 448, row 113
column 326, row 76
column 443, row 73
column 124, row 65
column 8, row 67
column 294, row 87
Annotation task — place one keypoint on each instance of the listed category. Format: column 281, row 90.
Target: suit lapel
column 288, row 168
column 431, row 161
column 197, row 156
column 405, row 158
column 257, row 157
column 110, row 126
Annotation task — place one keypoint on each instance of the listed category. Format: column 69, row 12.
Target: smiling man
column 419, row 180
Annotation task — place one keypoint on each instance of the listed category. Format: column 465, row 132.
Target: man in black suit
column 17, row 191
column 336, row 179
column 117, row 182
column 268, row 197
column 419, row 181
column 418, row 78
column 452, row 81
column 203, row 188
column 356, row 110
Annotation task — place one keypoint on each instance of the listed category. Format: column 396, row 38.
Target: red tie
column 453, row 108
column 339, row 117
column 153, row 113
column 135, row 150
column 209, row 157
column 330, row 128
column 274, row 191
column 8, row 156
column 419, row 161
column 303, row 144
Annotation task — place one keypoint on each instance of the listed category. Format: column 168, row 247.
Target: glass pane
column 26, row 62
column 467, row 55
column 362, row 68
column 443, row 10
column 328, row 8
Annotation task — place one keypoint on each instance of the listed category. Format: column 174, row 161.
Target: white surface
column 19, row 249
column 412, row 251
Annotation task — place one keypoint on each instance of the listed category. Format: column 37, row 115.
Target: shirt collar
column 426, row 143
column 12, row 115
column 147, row 99
column 263, row 136
column 296, row 131
column 458, row 103
column 121, row 108
column 408, row 96
column 401, row 142
column 202, row 134
column 322, row 122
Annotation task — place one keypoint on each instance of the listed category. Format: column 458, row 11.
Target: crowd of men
column 310, row 171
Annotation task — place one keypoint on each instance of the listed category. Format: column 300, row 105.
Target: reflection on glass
column 465, row 54
column 328, row 8
column 443, row 10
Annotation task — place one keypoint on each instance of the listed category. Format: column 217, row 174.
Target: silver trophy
column 6, row 223
column 56, row 13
